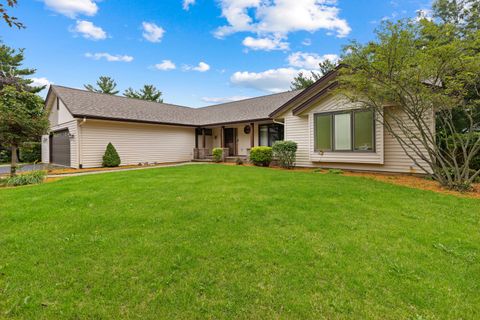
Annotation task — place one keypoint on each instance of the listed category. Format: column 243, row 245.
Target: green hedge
column 285, row 152
column 111, row 157
column 261, row 156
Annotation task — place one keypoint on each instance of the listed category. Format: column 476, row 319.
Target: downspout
column 79, row 143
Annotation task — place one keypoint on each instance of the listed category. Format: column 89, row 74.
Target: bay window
column 344, row 131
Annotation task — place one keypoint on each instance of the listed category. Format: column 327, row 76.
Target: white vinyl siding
column 59, row 114
column 135, row 143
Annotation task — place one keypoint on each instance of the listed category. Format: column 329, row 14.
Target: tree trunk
column 13, row 164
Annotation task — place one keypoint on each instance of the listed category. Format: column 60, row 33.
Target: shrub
column 335, row 171
column 285, row 152
column 239, row 161
column 33, row 177
column 261, row 156
column 217, row 154
column 4, row 156
column 111, row 157
column 31, row 152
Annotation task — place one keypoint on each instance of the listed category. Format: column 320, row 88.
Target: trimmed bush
column 31, row 152
column 217, row 154
column 33, row 177
column 111, row 157
column 239, row 161
column 261, row 156
column 285, row 152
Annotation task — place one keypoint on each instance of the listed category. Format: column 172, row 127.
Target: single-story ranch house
column 330, row 132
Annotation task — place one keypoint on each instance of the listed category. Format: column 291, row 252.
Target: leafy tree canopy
column 423, row 66
column 22, row 118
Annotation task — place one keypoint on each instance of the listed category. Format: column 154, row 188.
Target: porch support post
column 203, row 138
column 221, row 137
column 252, row 135
column 196, row 138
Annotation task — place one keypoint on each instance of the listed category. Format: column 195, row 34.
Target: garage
column 60, row 148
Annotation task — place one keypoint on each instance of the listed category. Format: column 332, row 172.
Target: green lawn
column 224, row 242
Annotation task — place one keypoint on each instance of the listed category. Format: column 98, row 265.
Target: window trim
column 352, row 131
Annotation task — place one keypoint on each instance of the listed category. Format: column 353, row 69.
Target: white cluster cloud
column 89, row 31
column 152, row 32
column 72, row 8
column 109, row 57
column 40, row 82
column 165, row 65
column 266, row 44
column 309, row 60
column 273, row 80
column 187, row 4
column 277, row 18
column 278, row 80
column 201, row 67
column 217, row 100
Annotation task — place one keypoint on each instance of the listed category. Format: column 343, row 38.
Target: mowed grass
column 232, row 242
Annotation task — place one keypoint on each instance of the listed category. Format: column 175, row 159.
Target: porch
column 236, row 139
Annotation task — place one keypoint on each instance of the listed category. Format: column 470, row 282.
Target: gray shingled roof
column 83, row 103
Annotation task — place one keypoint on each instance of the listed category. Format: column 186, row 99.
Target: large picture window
column 345, row 131
column 268, row 134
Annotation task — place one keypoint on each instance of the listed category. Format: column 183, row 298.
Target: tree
column 22, row 119
column 10, row 20
column 11, row 72
column 420, row 68
column 464, row 14
column 148, row 92
column 111, row 157
column 105, row 85
column 302, row 81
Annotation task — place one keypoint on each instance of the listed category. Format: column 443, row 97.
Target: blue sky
column 197, row 52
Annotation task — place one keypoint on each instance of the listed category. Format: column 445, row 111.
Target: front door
column 230, row 138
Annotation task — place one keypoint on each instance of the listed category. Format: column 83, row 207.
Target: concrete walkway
column 76, row 174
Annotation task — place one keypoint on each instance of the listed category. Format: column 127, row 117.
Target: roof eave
column 322, row 81
column 85, row 116
column 310, row 102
